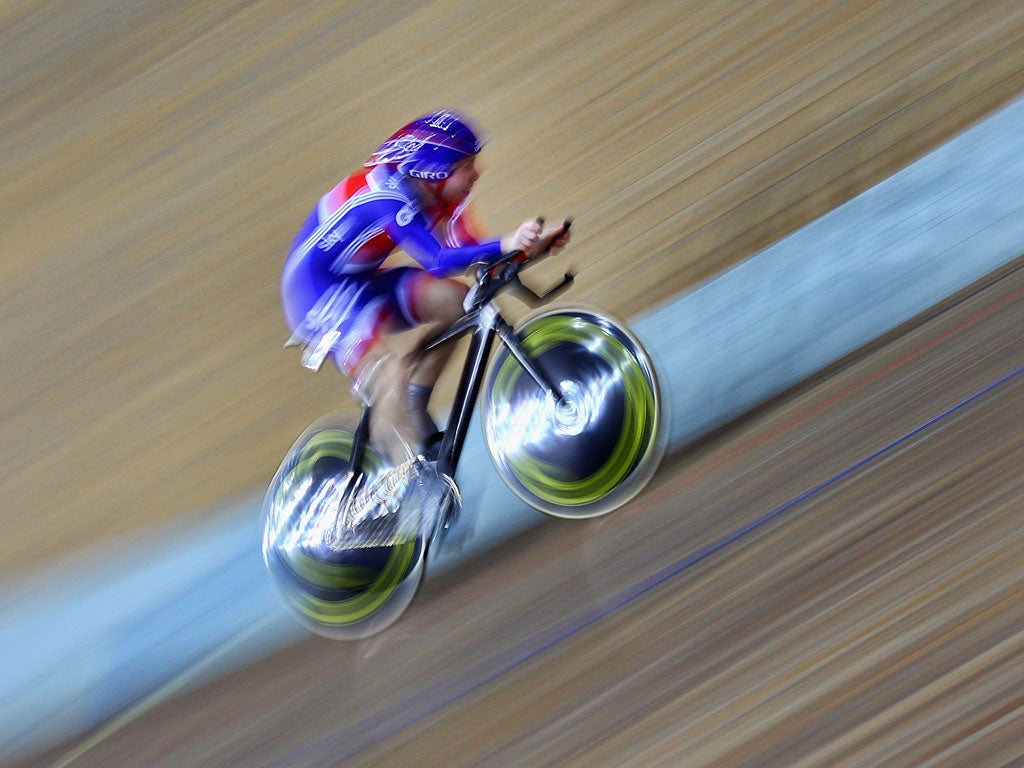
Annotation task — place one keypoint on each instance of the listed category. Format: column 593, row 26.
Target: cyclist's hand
column 523, row 239
column 553, row 239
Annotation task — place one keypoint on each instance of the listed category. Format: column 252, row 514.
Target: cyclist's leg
column 399, row 385
column 435, row 303
column 358, row 317
column 381, row 378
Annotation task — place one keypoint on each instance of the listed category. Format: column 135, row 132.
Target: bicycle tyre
column 591, row 453
column 342, row 582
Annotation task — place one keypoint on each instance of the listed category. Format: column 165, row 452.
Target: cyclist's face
column 460, row 183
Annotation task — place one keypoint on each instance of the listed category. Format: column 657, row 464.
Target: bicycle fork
column 486, row 324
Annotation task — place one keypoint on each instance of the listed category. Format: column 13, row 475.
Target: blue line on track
column 359, row 737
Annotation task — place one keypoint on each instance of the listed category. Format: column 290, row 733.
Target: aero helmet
column 429, row 146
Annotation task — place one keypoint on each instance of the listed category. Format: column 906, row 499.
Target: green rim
column 375, row 588
column 547, row 482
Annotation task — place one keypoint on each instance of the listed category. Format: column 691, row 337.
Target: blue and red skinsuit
column 337, row 300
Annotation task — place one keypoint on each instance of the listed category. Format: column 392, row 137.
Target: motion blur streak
column 361, row 736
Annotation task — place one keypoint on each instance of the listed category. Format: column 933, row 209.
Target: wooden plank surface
column 157, row 160
column 838, row 581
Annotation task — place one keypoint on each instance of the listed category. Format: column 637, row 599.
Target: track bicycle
column 571, row 411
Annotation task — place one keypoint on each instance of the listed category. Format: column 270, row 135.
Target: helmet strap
column 431, row 189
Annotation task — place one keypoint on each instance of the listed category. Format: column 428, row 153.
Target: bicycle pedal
column 432, row 446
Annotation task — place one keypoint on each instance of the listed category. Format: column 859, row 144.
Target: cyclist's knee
column 439, row 299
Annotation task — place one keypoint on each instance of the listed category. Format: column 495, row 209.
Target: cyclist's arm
column 409, row 230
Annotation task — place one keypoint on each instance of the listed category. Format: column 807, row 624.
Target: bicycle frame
column 486, row 324
column 570, row 411
column 484, row 321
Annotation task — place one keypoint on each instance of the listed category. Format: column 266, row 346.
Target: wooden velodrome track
column 156, row 160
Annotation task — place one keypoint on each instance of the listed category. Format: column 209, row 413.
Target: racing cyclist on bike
column 341, row 300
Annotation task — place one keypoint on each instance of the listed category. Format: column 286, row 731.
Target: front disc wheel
column 594, row 446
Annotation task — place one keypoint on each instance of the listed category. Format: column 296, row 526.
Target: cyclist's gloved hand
column 554, row 239
column 523, row 239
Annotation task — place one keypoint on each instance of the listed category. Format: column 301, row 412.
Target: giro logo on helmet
column 431, row 175
column 429, row 146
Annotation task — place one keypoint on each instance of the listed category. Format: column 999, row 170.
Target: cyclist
column 341, row 299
